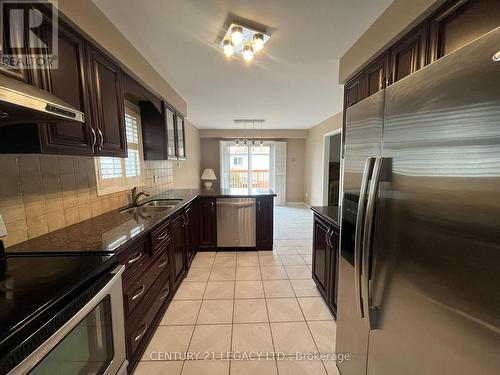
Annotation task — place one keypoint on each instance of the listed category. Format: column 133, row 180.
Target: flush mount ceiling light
column 243, row 41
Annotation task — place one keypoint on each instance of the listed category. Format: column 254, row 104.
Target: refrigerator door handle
column 359, row 233
column 368, row 240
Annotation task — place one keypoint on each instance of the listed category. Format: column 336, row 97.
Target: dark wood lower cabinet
column 264, row 223
column 178, row 250
column 207, row 223
column 325, row 259
column 191, row 231
column 156, row 264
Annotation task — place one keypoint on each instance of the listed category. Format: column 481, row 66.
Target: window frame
column 123, row 183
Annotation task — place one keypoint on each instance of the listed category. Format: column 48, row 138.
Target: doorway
column 332, row 170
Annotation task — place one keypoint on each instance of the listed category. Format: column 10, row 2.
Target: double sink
column 150, row 207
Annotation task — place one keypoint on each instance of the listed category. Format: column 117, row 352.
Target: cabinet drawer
column 137, row 286
column 160, row 237
column 140, row 321
column 133, row 258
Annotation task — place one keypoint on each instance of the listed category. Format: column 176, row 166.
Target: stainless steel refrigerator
column 419, row 271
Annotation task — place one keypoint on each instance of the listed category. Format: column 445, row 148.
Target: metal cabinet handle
column 358, row 236
column 165, row 293
column 368, row 233
column 213, row 207
column 163, row 263
column 162, row 237
column 143, row 328
column 327, row 236
column 94, row 137
column 258, row 204
column 139, row 293
column 136, row 258
column 101, row 139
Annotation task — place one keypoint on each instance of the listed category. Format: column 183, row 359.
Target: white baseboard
column 302, row 203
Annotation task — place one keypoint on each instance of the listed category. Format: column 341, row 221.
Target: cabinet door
column 170, row 119
column 353, row 90
column 321, row 252
column 181, row 139
column 68, row 82
column 190, row 233
column 207, row 222
column 14, row 44
column 460, row 22
column 108, row 105
column 408, row 55
column 375, row 75
column 264, row 223
column 333, row 242
column 176, row 229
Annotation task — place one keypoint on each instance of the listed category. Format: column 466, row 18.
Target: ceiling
column 292, row 83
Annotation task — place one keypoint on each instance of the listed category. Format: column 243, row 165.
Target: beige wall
column 87, row 16
column 187, row 172
column 295, row 151
column 210, row 158
column 397, row 19
column 266, row 133
column 314, row 149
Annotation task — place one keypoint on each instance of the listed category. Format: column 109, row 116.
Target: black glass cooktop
column 33, row 288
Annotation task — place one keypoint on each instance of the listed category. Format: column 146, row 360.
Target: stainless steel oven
column 92, row 341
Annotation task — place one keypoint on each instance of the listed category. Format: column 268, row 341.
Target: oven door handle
column 113, row 288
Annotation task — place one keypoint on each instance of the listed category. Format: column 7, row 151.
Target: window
column 118, row 174
column 245, row 167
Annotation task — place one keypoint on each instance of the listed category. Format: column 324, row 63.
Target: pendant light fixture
column 251, row 141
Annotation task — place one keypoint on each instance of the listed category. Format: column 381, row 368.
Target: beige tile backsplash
column 43, row 193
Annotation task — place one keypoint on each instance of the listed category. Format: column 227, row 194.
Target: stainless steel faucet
column 136, row 195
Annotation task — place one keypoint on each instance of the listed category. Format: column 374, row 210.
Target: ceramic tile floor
column 248, row 302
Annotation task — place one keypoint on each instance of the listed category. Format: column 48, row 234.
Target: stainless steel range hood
column 22, row 103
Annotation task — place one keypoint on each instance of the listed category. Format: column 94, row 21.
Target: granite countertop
column 113, row 231
column 330, row 213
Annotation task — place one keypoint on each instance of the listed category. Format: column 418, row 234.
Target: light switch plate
column 3, row 231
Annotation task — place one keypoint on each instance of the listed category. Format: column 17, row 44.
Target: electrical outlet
column 155, row 179
column 3, row 231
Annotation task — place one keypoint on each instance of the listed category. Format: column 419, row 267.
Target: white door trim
column 326, row 162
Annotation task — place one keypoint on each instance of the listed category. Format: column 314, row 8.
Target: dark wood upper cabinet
column 449, row 28
column 67, row 82
column 162, row 133
column 354, row 90
column 375, row 75
column 170, row 120
column 180, row 137
column 12, row 37
column 460, row 22
column 108, row 114
column 207, row 222
column 264, row 223
column 409, row 54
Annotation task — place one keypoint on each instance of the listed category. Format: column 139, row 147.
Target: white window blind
column 118, row 174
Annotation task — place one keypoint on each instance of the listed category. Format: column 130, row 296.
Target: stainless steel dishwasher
column 235, row 222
